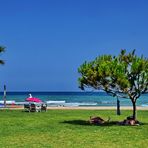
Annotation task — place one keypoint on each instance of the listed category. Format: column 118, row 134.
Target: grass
column 70, row 129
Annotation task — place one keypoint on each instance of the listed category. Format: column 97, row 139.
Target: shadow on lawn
column 87, row 123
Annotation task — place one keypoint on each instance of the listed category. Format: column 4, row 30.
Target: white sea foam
column 107, row 102
column 64, row 103
column 55, row 102
column 80, row 104
column 144, row 105
column 8, row 102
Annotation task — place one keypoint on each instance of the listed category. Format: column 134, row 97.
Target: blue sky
column 47, row 40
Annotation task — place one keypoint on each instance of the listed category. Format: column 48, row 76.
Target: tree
column 2, row 49
column 125, row 75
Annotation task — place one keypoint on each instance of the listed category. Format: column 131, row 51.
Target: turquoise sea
column 75, row 98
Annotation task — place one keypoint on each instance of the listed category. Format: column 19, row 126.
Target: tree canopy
column 125, row 75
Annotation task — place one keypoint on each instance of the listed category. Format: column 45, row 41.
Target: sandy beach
column 98, row 108
column 83, row 108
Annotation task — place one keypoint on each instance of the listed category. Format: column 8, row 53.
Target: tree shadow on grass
column 87, row 123
column 143, row 123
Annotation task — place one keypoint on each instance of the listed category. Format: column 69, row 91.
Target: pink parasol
column 32, row 99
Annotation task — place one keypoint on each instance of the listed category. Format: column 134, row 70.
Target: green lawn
column 70, row 129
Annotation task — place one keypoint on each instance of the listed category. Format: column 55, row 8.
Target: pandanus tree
column 2, row 49
column 125, row 76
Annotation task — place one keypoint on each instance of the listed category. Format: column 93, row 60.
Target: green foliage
column 2, row 49
column 125, row 73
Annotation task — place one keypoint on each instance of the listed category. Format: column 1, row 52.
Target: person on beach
column 30, row 96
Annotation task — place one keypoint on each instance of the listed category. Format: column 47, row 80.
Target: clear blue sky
column 47, row 40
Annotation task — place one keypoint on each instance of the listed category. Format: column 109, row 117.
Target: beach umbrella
column 33, row 99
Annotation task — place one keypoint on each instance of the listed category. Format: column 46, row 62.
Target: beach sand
column 97, row 108
column 83, row 108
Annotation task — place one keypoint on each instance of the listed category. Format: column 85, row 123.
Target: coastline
column 97, row 108
column 81, row 108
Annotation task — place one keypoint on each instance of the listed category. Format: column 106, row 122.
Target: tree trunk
column 134, row 110
column 118, row 107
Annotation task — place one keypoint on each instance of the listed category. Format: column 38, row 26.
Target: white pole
column 5, row 96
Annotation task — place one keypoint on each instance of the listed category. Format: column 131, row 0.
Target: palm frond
column 2, row 62
column 2, row 49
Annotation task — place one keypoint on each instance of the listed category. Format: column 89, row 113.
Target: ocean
column 74, row 98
